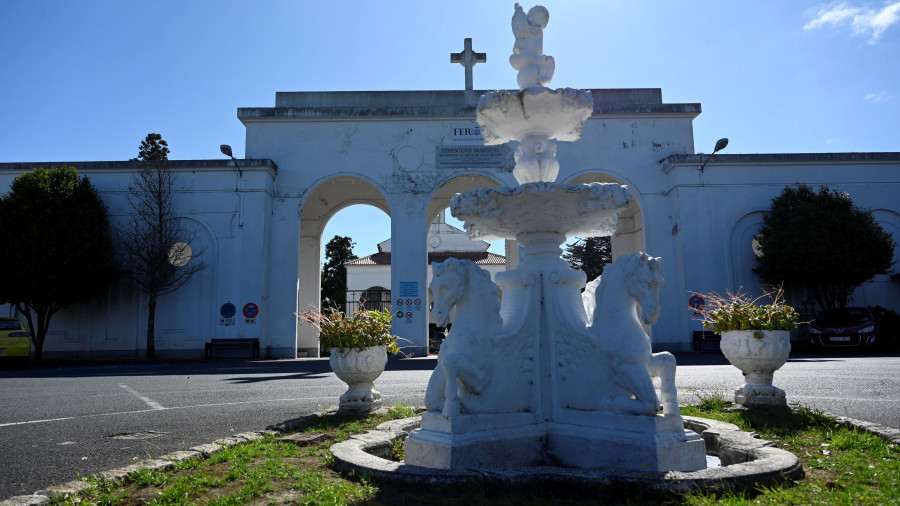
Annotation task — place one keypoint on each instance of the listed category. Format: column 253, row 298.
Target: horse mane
column 478, row 282
column 617, row 272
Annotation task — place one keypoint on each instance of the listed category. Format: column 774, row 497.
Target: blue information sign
column 409, row 288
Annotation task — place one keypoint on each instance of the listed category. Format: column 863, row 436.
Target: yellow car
column 15, row 342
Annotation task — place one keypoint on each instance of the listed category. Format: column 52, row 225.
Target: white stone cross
column 468, row 58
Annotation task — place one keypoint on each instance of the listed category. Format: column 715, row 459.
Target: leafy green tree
column 822, row 243
column 57, row 247
column 338, row 251
column 154, row 245
column 589, row 255
column 153, row 149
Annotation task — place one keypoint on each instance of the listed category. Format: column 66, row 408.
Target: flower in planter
column 739, row 312
column 360, row 330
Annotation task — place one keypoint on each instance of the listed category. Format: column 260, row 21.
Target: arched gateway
column 406, row 153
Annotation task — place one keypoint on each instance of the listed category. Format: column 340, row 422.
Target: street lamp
column 226, row 150
column 720, row 145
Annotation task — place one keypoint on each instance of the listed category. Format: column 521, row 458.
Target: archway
column 629, row 238
column 447, row 239
column 182, row 322
column 369, row 276
column 743, row 254
column 325, row 199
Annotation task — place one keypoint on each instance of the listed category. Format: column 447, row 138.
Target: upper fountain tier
column 536, row 115
column 585, row 210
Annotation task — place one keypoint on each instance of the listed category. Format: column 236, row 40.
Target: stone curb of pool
column 747, row 462
column 370, row 452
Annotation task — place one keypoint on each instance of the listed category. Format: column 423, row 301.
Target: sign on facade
column 409, row 289
column 464, row 148
column 227, row 311
column 468, row 157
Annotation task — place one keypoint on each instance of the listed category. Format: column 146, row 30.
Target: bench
column 232, row 344
column 706, row 336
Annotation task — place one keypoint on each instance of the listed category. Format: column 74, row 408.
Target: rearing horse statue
column 466, row 360
column 618, row 335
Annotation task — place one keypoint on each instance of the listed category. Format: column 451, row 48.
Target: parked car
column 844, row 327
column 436, row 337
column 15, row 341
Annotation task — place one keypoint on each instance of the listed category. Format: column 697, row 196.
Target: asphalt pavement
column 59, row 422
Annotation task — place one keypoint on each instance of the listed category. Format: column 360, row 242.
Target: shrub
column 740, row 312
column 362, row 329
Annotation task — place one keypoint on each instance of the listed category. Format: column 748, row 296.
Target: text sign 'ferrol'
column 465, row 157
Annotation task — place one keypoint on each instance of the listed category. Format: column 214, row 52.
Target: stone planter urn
column 758, row 354
column 359, row 369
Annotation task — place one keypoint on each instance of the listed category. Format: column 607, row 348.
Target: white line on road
column 148, row 401
column 92, row 415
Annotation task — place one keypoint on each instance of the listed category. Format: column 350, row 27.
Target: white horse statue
column 466, row 360
column 616, row 330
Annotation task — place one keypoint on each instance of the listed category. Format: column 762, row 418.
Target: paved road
column 56, row 423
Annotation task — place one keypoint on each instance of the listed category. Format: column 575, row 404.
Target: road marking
column 148, row 401
column 94, row 415
column 37, row 421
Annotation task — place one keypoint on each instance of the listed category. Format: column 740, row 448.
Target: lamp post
column 720, row 145
column 226, row 150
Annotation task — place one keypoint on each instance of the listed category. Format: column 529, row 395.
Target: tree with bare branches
column 155, row 245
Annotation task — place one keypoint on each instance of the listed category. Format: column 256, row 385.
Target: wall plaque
column 467, row 157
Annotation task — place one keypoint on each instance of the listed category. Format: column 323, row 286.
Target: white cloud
column 862, row 20
column 878, row 97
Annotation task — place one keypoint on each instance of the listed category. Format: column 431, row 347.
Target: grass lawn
column 843, row 466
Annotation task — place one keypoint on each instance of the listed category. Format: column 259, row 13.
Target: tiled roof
column 479, row 257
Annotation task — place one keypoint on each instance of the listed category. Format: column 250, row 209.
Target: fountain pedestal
column 550, row 371
column 540, row 379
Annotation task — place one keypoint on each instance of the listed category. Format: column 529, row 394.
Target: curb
column 165, row 462
column 119, row 475
column 888, row 434
column 382, row 466
column 750, row 462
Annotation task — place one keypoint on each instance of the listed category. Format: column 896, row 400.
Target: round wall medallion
column 756, row 248
column 408, row 158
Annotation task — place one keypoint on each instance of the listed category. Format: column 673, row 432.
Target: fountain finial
column 535, row 68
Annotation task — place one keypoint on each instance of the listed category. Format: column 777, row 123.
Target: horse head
column 448, row 285
column 644, row 281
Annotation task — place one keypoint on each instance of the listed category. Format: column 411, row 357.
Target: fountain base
column 579, row 439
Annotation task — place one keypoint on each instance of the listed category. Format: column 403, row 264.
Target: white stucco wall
column 262, row 234
column 208, row 194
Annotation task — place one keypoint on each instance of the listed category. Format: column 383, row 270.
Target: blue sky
column 88, row 80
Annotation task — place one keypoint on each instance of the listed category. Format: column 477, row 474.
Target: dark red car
column 844, row 327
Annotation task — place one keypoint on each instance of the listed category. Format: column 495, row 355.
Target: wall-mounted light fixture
column 720, row 145
column 226, row 150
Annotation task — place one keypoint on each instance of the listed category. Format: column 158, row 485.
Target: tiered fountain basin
column 513, row 212
column 552, row 114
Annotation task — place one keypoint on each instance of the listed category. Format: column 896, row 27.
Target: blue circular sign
column 228, row 310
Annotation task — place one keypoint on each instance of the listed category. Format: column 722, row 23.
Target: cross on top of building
column 468, row 58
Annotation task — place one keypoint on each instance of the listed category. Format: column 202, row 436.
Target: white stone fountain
column 545, row 378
